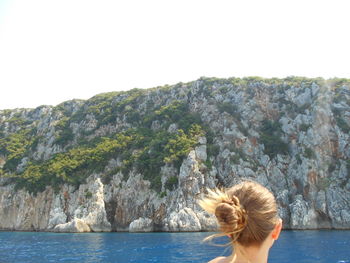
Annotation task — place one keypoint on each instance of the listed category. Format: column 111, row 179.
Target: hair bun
column 231, row 216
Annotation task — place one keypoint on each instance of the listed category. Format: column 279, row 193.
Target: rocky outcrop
column 70, row 210
column 292, row 137
column 141, row 225
column 74, row 226
column 20, row 210
column 88, row 208
column 184, row 220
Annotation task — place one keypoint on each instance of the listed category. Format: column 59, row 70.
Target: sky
column 57, row 50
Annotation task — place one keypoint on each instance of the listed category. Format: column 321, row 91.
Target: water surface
column 293, row 246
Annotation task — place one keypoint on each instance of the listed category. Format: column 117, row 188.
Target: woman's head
column 246, row 212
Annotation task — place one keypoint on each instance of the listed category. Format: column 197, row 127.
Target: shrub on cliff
column 139, row 147
column 270, row 136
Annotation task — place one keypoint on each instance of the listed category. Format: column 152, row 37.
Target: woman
column 247, row 214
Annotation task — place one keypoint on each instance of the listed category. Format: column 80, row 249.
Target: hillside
column 138, row 160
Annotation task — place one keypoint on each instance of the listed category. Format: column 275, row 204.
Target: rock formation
column 135, row 161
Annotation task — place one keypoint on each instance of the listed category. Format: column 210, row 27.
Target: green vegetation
column 18, row 121
column 304, row 127
column 229, row 108
column 279, row 83
column 331, row 167
column 323, row 183
column 176, row 112
column 234, row 159
column 88, row 194
column 139, row 148
column 15, row 147
column 180, row 144
column 72, row 166
column 342, row 125
column 208, row 164
column 270, row 136
column 145, row 149
column 162, row 194
column 239, row 154
column 338, row 82
column 106, row 107
column 65, row 132
column 213, row 149
column 297, row 81
column 348, row 167
column 298, row 158
column 309, row 153
column 171, row 183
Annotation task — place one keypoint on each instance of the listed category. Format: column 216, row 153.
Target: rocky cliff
column 138, row 160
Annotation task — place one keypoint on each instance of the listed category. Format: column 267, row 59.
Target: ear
column 277, row 230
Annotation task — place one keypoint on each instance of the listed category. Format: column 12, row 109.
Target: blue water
column 293, row 246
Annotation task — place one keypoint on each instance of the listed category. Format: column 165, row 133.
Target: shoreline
column 298, row 230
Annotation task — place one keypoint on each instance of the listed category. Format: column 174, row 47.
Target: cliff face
column 138, row 160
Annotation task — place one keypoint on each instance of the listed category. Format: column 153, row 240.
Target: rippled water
column 293, row 246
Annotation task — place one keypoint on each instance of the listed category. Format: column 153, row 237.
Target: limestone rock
column 172, row 128
column 302, row 216
column 141, row 225
column 338, row 207
column 75, row 226
column 185, row 221
column 304, row 98
column 201, row 152
column 321, row 204
column 57, row 217
column 310, row 179
column 207, row 222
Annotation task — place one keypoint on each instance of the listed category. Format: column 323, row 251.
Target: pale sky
column 56, row 50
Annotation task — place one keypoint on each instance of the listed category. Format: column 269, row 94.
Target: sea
column 328, row 246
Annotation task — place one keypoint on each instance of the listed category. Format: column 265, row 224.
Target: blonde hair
column 246, row 212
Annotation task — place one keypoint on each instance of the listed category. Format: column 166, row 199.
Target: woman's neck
column 251, row 254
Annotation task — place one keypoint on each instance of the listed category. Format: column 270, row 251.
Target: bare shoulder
column 219, row 260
